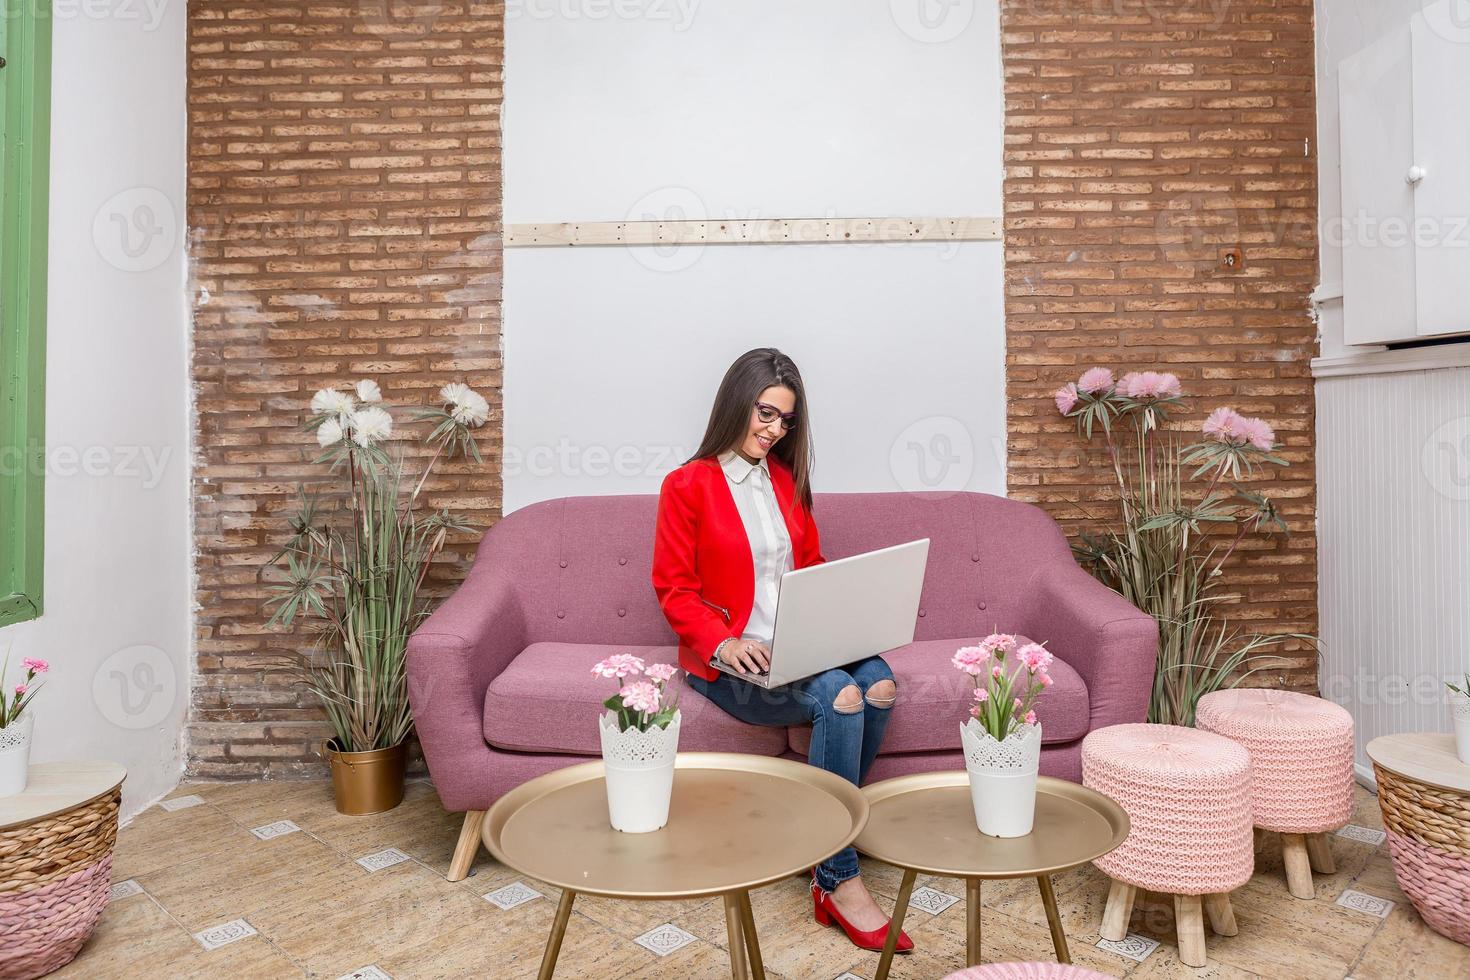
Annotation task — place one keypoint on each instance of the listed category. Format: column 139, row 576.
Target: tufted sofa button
column 622, row 561
column 561, row 614
column 921, row 614
column 622, row 612
column 981, row 603
column 974, row 556
column 563, row 563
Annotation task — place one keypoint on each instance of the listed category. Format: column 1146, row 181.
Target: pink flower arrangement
column 1095, row 381
column 11, row 707
column 1066, row 397
column 1001, row 666
column 646, row 700
column 1146, row 385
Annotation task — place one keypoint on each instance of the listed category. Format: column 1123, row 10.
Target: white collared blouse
column 770, row 542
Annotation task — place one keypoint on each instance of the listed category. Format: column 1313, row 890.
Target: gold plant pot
column 366, row 782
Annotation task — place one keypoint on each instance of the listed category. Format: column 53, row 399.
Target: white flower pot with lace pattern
column 1460, row 705
column 639, row 770
column 1002, row 778
column 15, row 754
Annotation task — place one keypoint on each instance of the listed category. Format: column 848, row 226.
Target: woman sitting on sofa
column 731, row 520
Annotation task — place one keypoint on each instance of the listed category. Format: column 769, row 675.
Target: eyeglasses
column 770, row 413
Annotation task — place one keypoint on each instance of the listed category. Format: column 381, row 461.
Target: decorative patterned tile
column 665, row 939
column 1363, row 902
column 181, row 802
column 931, row 900
column 373, row 972
column 225, row 933
column 1133, row 946
column 383, row 859
column 513, row 894
column 1364, row 835
column 124, row 889
column 848, row 976
column 278, row 829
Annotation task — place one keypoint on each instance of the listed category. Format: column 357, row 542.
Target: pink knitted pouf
column 1188, row 797
column 1301, row 750
column 1027, row 971
column 1187, row 794
column 1301, row 755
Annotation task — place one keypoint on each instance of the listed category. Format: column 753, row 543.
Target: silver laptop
column 843, row 610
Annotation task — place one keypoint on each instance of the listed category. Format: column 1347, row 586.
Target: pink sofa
column 500, row 681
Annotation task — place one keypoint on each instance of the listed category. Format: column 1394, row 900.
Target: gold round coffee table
column 736, row 822
column 926, row 823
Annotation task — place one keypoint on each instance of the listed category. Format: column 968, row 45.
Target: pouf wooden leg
column 1189, row 926
column 1298, row 866
column 1222, row 915
column 1118, row 911
column 1319, row 853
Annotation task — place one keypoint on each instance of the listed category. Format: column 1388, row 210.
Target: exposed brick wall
column 344, row 207
column 1143, row 137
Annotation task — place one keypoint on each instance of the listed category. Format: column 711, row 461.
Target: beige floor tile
column 1404, row 948
column 137, row 938
column 157, row 839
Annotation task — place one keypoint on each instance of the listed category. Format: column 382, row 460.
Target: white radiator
column 1393, row 475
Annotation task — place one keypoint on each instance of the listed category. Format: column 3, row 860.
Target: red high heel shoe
column 826, row 913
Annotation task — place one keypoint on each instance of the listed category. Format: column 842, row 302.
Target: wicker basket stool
column 1302, row 770
column 1027, row 971
column 56, row 841
column 1188, row 797
column 1424, row 792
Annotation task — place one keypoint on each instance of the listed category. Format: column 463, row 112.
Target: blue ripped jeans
column 842, row 743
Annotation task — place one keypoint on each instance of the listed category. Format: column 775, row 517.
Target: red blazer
column 703, row 571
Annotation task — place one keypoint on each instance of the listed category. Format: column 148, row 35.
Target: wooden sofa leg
column 1319, row 854
column 1189, row 925
column 468, row 846
column 1118, row 911
column 1298, row 866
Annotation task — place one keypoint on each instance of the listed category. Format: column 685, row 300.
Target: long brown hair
column 729, row 418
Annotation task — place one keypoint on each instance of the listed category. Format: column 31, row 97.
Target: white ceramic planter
column 1002, row 778
column 640, row 773
column 1461, row 708
column 15, row 754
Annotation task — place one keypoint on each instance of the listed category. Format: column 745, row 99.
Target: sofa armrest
column 1111, row 643
column 452, row 657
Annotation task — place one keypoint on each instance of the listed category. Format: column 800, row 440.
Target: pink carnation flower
column 996, row 671
column 999, row 643
column 1225, row 425
column 619, row 665
column 1046, row 680
column 1258, row 433
column 1066, row 397
column 641, row 696
column 35, row 666
column 1018, row 702
column 1030, row 717
column 20, row 689
column 1095, row 380
column 661, row 672
column 1035, row 656
column 982, row 695
column 971, row 660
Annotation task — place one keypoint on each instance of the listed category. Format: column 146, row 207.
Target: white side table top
column 1422, row 757
column 55, row 787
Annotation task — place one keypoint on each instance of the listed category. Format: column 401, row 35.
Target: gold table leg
column 558, row 930
column 972, row 922
column 1058, row 937
column 734, row 927
column 895, row 925
column 752, row 942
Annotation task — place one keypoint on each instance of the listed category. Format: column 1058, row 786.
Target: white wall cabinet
column 1405, row 150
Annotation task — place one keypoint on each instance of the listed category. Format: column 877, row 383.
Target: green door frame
column 25, row 101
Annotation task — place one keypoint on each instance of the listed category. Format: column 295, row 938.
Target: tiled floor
column 267, row 880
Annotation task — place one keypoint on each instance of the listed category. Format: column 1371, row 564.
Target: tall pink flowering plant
column 15, row 700
column 1161, row 556
column 645, row 695
column 1008, row 675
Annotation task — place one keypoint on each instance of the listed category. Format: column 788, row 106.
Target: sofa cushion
column 548, row 700
column 933, row 698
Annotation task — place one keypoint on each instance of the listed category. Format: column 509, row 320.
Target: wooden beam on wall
column 754, row 231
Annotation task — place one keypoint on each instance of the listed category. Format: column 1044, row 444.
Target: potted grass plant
column 355, row 567
column 1182, row 514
